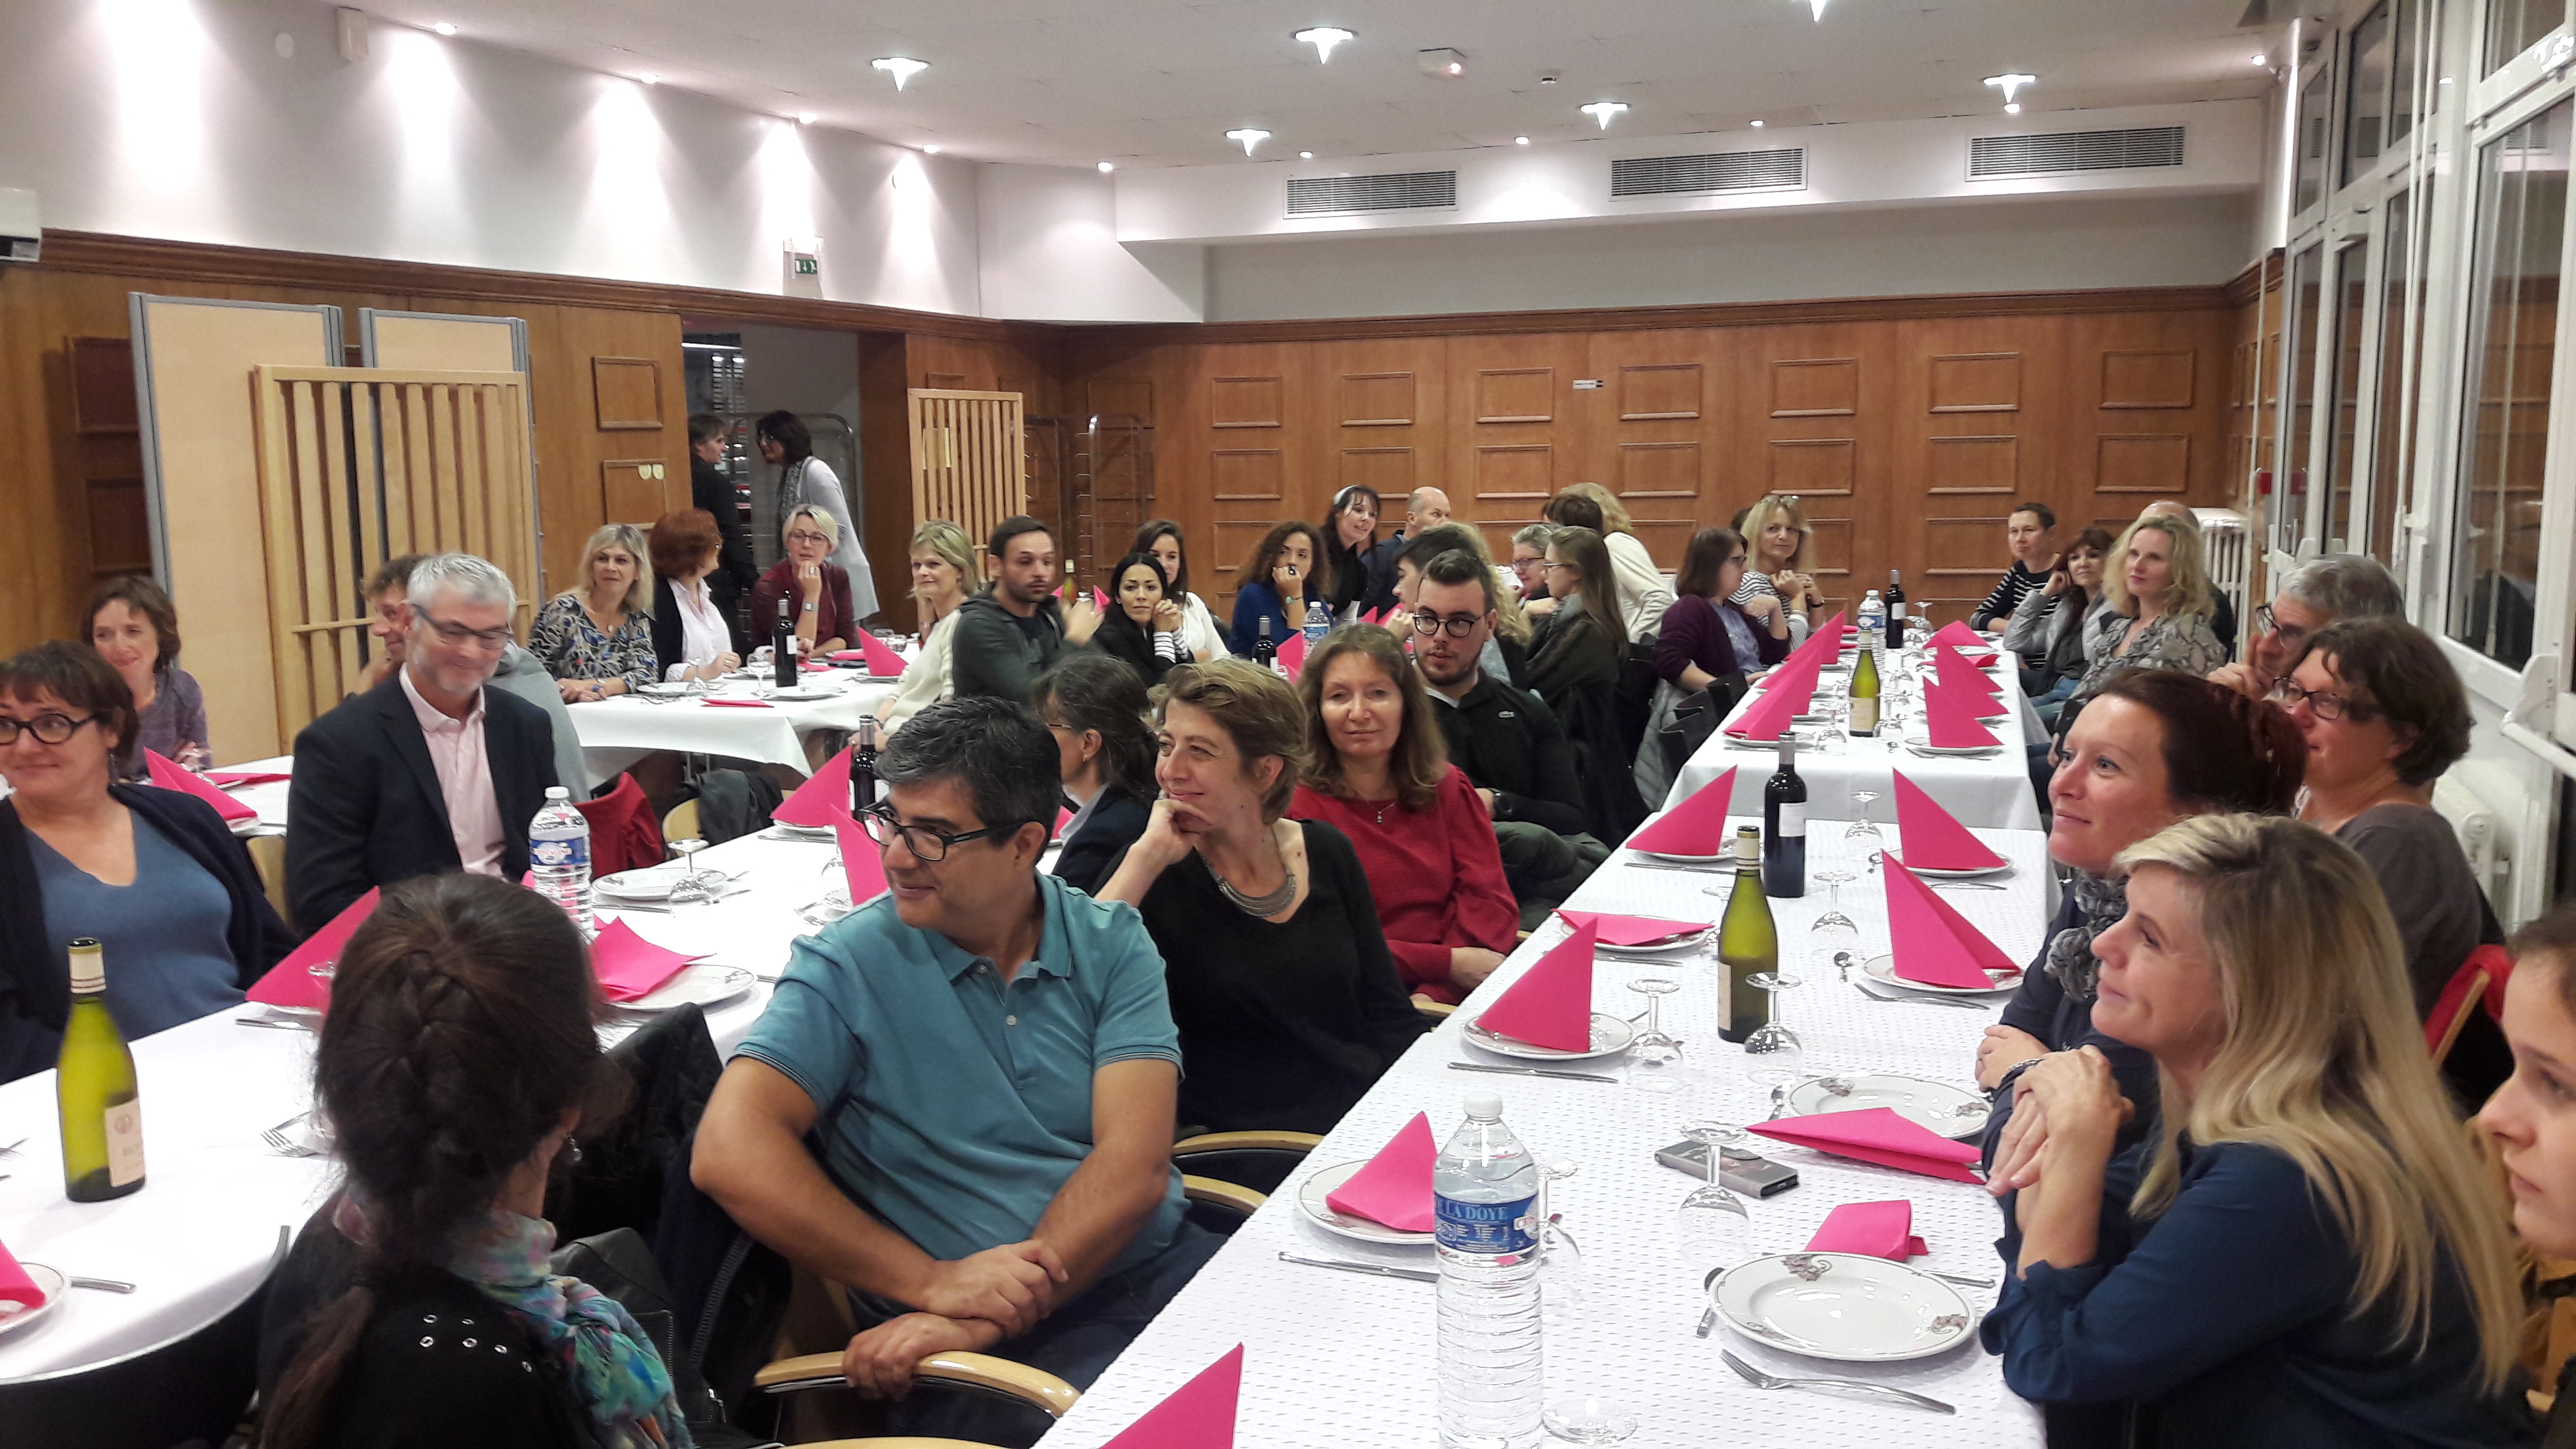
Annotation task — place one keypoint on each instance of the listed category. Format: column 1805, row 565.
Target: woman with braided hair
column 458, row 1059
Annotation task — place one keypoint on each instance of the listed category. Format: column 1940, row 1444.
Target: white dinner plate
column 1721, row 859
column 823, row 833
column 794, row 695
column 1948, row 1110
column 1882, row 969
column 1926, row 747
column 1311, row 1194
column 2003, row 867
column 667, row 689
column 1847, row 1307
column 1610, row 1036
column 246, row 825
column 1655, row 950
column 651, row 883
column 16, row 1317
column 698, row 982
column 303, row 1015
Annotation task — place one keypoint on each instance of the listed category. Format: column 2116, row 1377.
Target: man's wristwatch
column 809, row 606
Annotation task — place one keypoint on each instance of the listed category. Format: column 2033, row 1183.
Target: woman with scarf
column 418, row 1309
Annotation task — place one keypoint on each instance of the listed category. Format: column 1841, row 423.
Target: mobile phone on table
column 1740, row 1171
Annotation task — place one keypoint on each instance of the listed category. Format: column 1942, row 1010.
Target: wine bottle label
column 1864, row 716
column 1725, row 1001
column 124, row 1143
column 1793, row 823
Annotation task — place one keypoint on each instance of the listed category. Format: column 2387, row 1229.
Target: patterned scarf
column 2099, row 904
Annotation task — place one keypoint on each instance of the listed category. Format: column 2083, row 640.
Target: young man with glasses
column 429, row 771
column 1505, row 739
column 987, row 1059
column 2317, row 593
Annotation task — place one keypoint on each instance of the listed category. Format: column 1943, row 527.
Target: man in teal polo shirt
column 988, row 1059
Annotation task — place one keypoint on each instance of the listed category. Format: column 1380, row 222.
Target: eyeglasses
column 2266, row 622
column 806, row 536
column 927, row 845
column 460, row 636
column 1458, row 625
column 1552, row 567
column 2286, row 693
column 49, row 729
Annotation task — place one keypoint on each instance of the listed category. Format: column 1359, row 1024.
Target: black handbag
column 1698, row 718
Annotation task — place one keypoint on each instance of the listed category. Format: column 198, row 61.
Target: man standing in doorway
column 714, row 492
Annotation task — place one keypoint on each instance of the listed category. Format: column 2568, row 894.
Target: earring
column 572, row 1150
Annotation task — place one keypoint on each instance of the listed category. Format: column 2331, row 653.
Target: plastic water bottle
column 1872, row 622
column 559, row 856
column 1485, row 1191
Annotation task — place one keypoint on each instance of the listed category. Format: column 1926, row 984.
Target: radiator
column 2227, row 545
column 2483, row 838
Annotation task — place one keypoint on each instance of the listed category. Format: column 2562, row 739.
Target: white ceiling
column 1159, row 82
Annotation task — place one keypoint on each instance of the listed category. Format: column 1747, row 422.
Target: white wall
column 1048, row 245
column 178, row 119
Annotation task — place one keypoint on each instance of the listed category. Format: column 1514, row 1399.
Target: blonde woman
column 2305, row 1250
column 943, row 559
column 597, row 640
column 1782, row 565
column 1644, row 593
column 813, row 590
column 2158, row 617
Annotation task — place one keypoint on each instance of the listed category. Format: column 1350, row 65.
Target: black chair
column 671, row 1065
column 189, row 1390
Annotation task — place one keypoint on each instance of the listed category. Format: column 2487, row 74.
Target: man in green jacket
column 1012, row 631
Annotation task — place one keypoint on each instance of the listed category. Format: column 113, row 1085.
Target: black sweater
column 1508, row 741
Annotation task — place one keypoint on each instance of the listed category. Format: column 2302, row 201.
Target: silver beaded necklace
column 1262, row 905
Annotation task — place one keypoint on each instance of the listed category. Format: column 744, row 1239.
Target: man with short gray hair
column 2319, row 592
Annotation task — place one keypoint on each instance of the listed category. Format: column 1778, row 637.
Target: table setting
column 743, row 715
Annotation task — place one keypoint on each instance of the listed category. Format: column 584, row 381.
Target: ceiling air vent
column 2063, row 151
column 1721, row 171
column 1405, row 191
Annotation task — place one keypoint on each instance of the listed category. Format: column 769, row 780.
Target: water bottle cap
column 557, row 792
column 1484, row 1106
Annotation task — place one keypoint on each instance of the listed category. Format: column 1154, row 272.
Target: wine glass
column 1774, row 1043
column 1862, row 834
column 1834, row 938
column 1654, row 1058
column 1715, row 1227
column 690, row 890
column 1579, row 1418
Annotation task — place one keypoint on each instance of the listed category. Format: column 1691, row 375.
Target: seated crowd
column 960, row 1102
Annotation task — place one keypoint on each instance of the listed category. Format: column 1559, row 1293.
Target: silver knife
column 1530, row 1072
column 1379, row 1270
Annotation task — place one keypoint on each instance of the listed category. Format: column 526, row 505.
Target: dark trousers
column 1543, row 867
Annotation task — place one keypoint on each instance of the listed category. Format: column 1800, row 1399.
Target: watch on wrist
column 2013, row 1073
column 809, row 606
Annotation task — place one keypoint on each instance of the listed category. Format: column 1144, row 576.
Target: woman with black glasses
column 153, row 875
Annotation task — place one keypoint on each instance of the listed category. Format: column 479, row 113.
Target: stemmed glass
column 1834, row 938
column 690, row 890
column 1862, row 834
column 1715, row 1226
column 1580, row 1418
column 1774, row 1043
column 1654, row 1058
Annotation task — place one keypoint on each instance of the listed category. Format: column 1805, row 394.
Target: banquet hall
column 2051, row 506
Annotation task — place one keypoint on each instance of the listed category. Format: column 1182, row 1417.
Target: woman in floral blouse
column 2158, row 592
column 598, row 641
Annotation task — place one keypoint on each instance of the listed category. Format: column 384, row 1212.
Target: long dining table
column 742, row 718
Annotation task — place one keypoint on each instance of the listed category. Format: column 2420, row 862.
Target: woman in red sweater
column 1382, row 777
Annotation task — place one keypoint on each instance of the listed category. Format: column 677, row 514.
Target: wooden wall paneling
column 885, row 451
column 1245, row 436
column 1517, row 433
column 1656, row 430
column 2156, row 420
column 105, row 453
column 573, row 352
column 1984, row 417
column 1386, row 416
column 1812, row 405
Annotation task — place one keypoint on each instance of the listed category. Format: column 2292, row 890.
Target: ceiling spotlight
column 1757, row 125
column 1818, row 7
column 1305, row 155
column 929, row 150
column 804, row 118
column 1550, row 77
column 1248, row 137
column 1107, row 166
column 901, row 67
column 649, row 77
column 1443, row 62
column 1520, row 140
column 1324, row 38
column 2258, row 58
column 1602, row 111
column 444, row 28
column 2010, row 82
column 2012, row 108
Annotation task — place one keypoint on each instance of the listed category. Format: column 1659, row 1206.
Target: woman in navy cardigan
column 1286, row 582
column 2306, row 1250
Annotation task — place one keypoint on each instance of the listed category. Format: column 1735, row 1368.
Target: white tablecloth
column 617, row 732
column 1338, row 1359
column 1992, row 791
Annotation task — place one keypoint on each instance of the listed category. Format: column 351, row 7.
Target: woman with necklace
column 598, row 640
column 1288, row 1004
column 1382, row 777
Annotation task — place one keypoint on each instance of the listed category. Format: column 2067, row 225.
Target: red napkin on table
column 1292, row 655
column 1551, row 1005
column 1934, row 943
column 822, row 800
column 1958, row 635
column 232, row 779
column 1878, row 1229
column 1778, row 708
column 1950, row 718
column 1697, row 826
column 736, row 703
column 882, row 662
column 1198, row 1415
column 862, row 861
column 1831, row 626
column 15, row 1285
column 170, row 775
column 1630, row 930
column 1955, row 671
column 1877, row 1134
column 628, row 966
column 1934, row 838
column 1395, row 1187
column 814, row 666
column 1798, row 672
column 291, row 982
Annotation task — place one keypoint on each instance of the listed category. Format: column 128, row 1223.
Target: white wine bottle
column 102, row 1112
column 1864, row 692
column 1747, row 943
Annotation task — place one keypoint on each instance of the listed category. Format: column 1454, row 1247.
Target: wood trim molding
column 2245, row 286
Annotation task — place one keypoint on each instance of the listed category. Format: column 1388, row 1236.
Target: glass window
column 2290, row 507
column 2401, row 363
column 2513, row 318
column 2513, row 25
column 2407, row 18
column 2314, row 118
column 2366, row 119
column 2352, row 299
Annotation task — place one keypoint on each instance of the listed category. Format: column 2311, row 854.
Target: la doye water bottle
column 559, row 856
column 1485, row 1194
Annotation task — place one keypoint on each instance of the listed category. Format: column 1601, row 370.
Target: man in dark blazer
column 429, row 771
column 713, row 491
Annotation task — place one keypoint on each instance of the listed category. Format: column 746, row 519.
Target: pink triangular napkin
column 883, row 663
column 1292, row 655
column 1958, row 635
column 1933, row 943
column 1100, row 599
column 1772, row 714
column 1551, row 1005
column 1696, row 826
column 1955, row 671
column 1630, row 930
column 862, row 862
column 170, row 775
column 1198, row 1415
column 1950, row 719
column 1878, row 1229
column 628, row 966
column 824, row 799
column 1395, row 1187
column 291, row 982
column 1934, row 838
column 1371, row 617
column 1877, row 1134
column 726, row 703
column 235, row 779
column 15, row 1285
column 1063, row 818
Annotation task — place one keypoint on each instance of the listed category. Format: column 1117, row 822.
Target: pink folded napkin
column 1934, row 944
column 628, row 966
column 1551, row 1005
column 1198, row 1415
column 15, row 1285
column 1630, row 930
column 291, row 982
column 1395, row 1187
column 882, row 662
column 235, row 779
column 1877, row 1134
column 1372, row 616
column 1958, row 635
column 1696, row 826
column 824, row 798
column 170, row 775
column 1779, row 707
column 1878, row 1229
column 722, row 702
column 1934, row 838
column 1950, row 718
column 1954, row 671
column 1100, row 599
column 1063, row 818
column 862, row 862
column 1292, row 655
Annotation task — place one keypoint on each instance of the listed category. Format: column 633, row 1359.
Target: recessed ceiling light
column 901, row 67
column 1305, row 155
column 1757, row 125
column 2011, row 81
column 1248, row 137
column 1602, row 111
column 2012, row 108
column 1324, row 38
column 2258, row 58
column 1818, row 8
column 1520, row 140
column 444, row 28
column 1108, row 166
column 2446, row 80
column 929, row 150
column 804, row 118
column 649, row 77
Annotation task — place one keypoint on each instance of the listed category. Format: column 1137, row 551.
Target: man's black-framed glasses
column 458, row 636
column 1458, row 625
column 927, row 845
column 48, row 728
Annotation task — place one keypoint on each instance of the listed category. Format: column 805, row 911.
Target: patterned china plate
column 1948, row 1110
column 1842, row 1306
column 1310, row 1197
column 1610, row 1036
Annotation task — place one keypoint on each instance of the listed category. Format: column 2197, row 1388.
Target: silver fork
column 1760, row 1380
column 283, row 1145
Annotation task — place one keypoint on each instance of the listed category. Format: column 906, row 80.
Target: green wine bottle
column 1747, row 943
column 102, row 1112
column 1864, row 693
